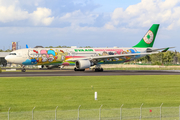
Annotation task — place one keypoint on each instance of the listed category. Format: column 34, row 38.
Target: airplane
column 83, row 58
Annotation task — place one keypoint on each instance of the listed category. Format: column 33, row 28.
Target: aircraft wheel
column 98, row 70
column 75, row 69
column 23, row 70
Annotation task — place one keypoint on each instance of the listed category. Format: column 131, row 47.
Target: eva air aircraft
column 83, row 58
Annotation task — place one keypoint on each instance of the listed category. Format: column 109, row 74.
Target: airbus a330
column 83, row 58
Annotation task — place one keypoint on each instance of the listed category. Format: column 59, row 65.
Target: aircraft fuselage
column 60, row 56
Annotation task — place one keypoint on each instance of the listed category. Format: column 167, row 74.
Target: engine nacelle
column 82, row 64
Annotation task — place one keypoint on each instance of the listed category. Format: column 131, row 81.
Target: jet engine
column 82, row 64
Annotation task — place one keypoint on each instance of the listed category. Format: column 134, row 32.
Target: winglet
column 27, row 46
column 165, row 49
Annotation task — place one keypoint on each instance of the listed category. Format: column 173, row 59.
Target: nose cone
column 7, row 58
column 10, row 59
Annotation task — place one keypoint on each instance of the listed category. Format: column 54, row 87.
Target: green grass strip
column 45, row 93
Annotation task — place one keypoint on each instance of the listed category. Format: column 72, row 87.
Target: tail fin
column 149, row 38
column 27, row 46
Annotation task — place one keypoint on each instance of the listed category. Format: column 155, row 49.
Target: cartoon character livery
column 33, row 54
column 61, row 55
column 83, row 58
column 51, row 53
column 44, row 55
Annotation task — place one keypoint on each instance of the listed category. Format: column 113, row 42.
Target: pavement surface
column 87, row 73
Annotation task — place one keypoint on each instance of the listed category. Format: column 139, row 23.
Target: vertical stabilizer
column 149, row 38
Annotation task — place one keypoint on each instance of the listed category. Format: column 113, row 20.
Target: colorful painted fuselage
column 68, row 56
column 60, row 56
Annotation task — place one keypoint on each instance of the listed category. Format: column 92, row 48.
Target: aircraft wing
column 109, row 56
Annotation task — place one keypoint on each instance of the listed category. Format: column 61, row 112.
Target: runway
column 87, row 73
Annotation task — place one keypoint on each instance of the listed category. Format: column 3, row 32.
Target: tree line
column 8, row 50
column 169, row 57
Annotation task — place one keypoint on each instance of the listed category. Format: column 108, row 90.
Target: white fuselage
column 58, row 56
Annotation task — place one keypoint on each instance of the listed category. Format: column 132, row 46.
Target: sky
column 96, row 23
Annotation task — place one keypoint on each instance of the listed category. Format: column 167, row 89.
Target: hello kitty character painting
column 33, row 54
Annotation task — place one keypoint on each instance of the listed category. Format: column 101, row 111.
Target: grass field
column 45, row 93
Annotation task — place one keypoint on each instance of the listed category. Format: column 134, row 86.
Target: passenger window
column 12, row 54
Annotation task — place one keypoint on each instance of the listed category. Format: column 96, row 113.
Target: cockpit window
column 12, row 54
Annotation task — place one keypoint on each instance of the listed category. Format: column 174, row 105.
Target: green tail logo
column 148, row 39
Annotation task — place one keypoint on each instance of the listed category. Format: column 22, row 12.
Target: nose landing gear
column 23, row 69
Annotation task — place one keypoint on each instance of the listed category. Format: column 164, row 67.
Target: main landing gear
column 97, row 68
column 23, row 69
column 75, row 69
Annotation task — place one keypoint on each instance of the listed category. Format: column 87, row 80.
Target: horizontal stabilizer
column 155, row 50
